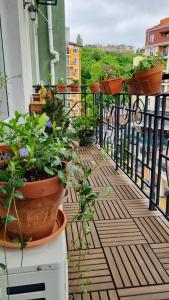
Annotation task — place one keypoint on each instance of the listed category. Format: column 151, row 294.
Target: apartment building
column 73, row 69
column 157, row 42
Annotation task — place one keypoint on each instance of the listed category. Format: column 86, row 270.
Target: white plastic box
column 43, row 275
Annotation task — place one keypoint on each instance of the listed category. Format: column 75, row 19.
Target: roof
column 162, row 25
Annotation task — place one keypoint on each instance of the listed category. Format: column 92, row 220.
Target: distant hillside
column 95, row 61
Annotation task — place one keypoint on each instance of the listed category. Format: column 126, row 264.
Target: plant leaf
column 18, row 195
column 8, row 219
column 49, row 171
column 4, row 176
column 2, row 266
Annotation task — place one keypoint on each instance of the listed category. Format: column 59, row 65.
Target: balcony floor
column 128, row 255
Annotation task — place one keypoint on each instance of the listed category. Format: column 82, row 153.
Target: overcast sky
column 114, row 21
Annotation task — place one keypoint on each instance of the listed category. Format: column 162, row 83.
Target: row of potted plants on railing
column 145, row 79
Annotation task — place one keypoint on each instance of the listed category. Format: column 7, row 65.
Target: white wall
column 15, row 32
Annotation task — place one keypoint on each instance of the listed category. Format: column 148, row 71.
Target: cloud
column 114, row 21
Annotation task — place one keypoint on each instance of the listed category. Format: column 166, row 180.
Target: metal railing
column 134, row 131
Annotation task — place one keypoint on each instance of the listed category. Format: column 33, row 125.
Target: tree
column 79, row 40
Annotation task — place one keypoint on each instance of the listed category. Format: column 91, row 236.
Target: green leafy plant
column 148, row 63
column 62, row 81
column 75, row 81
column 85, row 123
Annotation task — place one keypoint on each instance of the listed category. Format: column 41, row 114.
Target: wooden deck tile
column 100, row 295
column 139, row 208
column 92, row 264
column 135, row 265
column 119, row 232
column 74, row 240
column 154, row 292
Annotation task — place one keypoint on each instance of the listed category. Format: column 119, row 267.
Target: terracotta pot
column 150, row 80
column 133, row 86
column 38, row 211
column 102, row 89
column 75, row 88
column 114, row 85
column 61, row 87
column 95, row 87
column 105, row 87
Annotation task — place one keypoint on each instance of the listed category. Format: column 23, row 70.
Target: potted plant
column 61, row 86
column 75, row 86
column 85, row 127
column 33, row 179
column 148, row 73
column 114, row 83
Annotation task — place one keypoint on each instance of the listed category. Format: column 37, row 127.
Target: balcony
column 125, row 256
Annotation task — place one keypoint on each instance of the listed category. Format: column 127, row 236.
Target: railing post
column 154, row 154
column 116, row 138
column 101, row 120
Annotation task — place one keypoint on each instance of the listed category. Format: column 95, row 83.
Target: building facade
column 157, row 42
column 73, row 62
column 28, row 51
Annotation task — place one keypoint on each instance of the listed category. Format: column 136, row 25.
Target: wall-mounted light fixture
column 32, row 9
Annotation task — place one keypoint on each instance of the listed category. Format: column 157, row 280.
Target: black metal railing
column 134, row 131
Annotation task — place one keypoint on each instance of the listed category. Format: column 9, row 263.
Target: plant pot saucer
column 58, row 228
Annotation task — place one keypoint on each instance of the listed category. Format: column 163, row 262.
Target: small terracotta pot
column 75, row 88
column 38, row 211
column 150, row 80
column 61, row 87
column 133, row 86
column 95, row 87
column 114, row 85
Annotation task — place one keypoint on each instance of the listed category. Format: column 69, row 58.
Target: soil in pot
column 38, row 211
column 150, row 80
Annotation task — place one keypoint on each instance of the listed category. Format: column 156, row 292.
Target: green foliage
column 75, row 81
column 148, row 63
column 56, row 111
column 62, row 81
column 85, row 123
column 95, row 61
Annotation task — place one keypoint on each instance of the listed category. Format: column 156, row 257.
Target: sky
column 114, row 21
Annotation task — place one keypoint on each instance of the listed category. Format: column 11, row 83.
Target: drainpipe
column 51, row 48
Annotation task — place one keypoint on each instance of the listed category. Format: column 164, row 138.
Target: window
column 75, row 71
column 75, row 60
column 151, row 51
column 67, row 60
column 3, row 91
column 165, row 34
column 75, row 50
column 67, row 51
column 151, row 38
column 67, row 72
column 165, row 51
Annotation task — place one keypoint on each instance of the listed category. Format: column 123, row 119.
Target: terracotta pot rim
column 149, row 71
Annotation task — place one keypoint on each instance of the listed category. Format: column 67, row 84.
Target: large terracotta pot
column 105, row 87
column 75, row 88
column 38, row 211
column 150, row 80
column 133, row 86
column 61, row 87
column 115, row 85
column 95, row 87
